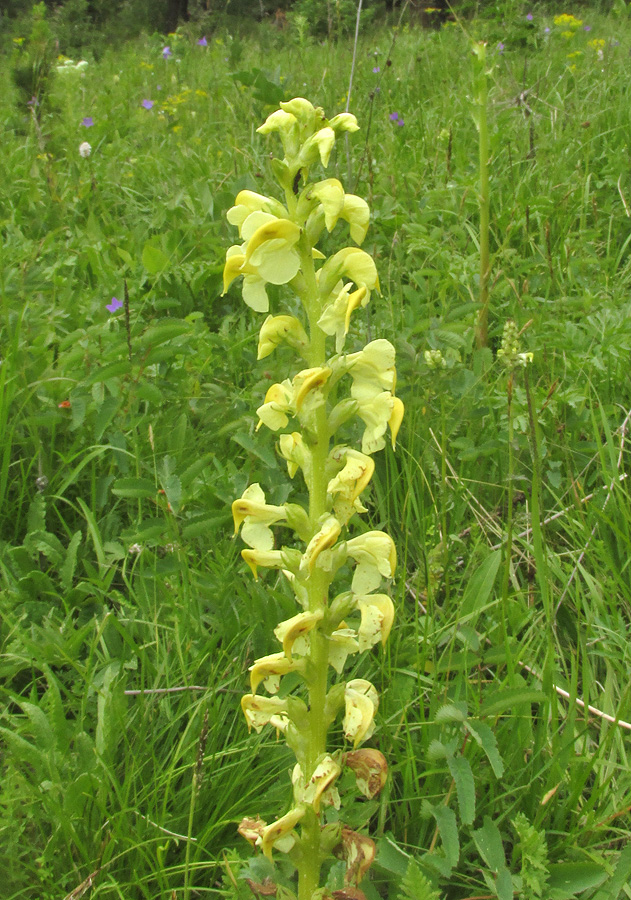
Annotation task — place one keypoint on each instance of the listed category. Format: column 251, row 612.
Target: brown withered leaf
column 251, row 829
column 266, row 888
column 358, row 852
column 370, row 768
column 349, row 893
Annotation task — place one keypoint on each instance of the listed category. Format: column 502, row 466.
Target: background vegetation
column 128, row 618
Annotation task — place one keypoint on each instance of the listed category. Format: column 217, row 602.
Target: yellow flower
column 349, row 482
column 294, row 629
column 568, row 20
column 279, row 832
column 256, row 516
column 361, row 700
column 279, row 401
column 596, row 43
column 260, row 711
column 269, row 670
column 293, row 450
column 320, row 787
column 376, row 558
column 336, row 316
column 324, row 539
column 377, row 612
column 276, row 329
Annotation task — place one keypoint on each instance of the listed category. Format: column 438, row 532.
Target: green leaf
column 153, row 259
column 498, row 701
column 415, row 885
column 620, row 878
column 162, row 332
column 489, row 843
column 465, row 787
column 448, row 828
column 112, row 370
column 134, row 487
column 569, row 879
column 391, row 857
column 452, row 712
column 66, row 572
column 481, row 733
column 480, row 586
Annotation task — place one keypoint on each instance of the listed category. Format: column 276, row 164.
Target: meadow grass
column 127, row 614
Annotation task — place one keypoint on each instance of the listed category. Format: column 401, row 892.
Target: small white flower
column 85, row 149
column 135, row 548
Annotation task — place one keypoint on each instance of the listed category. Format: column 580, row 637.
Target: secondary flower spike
column 333, row 388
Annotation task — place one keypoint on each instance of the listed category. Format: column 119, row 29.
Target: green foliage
column 532, row 853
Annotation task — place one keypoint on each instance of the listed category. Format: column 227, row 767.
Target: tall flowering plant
column 279, row 245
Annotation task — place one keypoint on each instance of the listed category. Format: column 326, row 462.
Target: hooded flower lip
column 323, row 540
column 396, row 417
column 343, row 643
column 361, row 702
column 270, row 248
column 292, row 630
column 281, row 828
column 308, row 381
column 276, row 329
column 256, row 516
column 269, row 669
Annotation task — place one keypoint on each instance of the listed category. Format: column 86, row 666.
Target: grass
column 122, row 446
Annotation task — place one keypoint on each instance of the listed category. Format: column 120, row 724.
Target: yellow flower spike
column 258, row 515
column 361, row 702
column 280, row 829
column 396, row 417
column 289, row 631
column 357, row 213
column 270, row 669
column 272, row 559
column 278, row 402
column 377, row 612
column 309, row 380
column 323, row 540
column 277, row 329
column 259, row 711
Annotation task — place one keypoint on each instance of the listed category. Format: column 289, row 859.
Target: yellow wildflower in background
column 568, row 20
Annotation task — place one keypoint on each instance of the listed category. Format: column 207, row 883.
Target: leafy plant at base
column 280, row 248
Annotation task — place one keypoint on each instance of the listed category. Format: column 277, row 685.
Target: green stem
column 485, row 204
column 318, row 589
column 508, row 549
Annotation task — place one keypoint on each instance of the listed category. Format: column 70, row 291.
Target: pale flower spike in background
column 335, row 396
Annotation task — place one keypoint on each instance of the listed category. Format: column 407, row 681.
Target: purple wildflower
column 529, row 17
column 202, row 41
column 166, row 52
column 394, row 117
column 114, row 305
column 33, row 101
column 88, row 122
column 500, row 47
column 158, row 87
column 400, row 122
column 148, row 104
column 546, row 30
column 587, row 27
column 376, row 70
